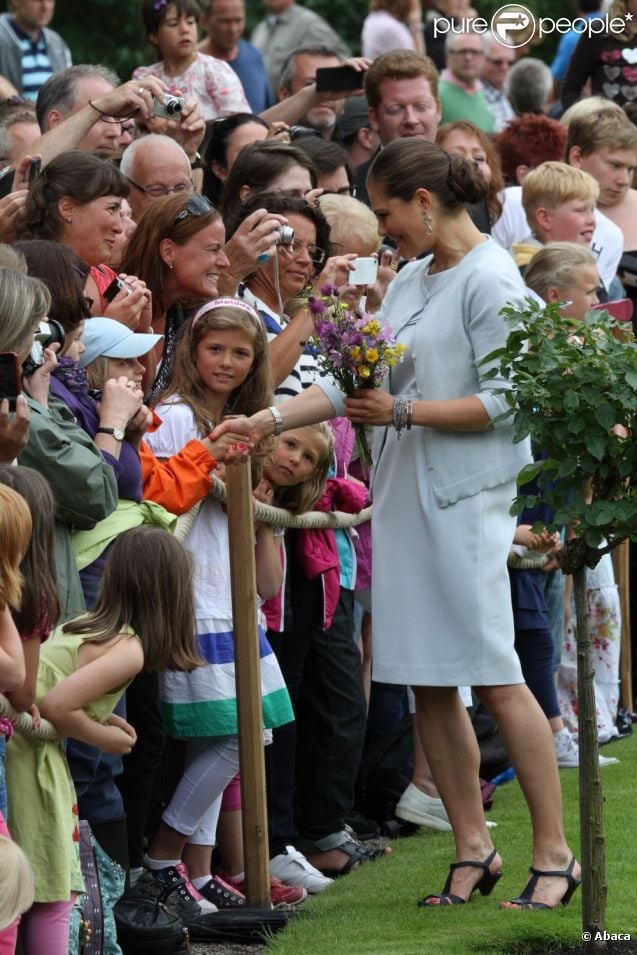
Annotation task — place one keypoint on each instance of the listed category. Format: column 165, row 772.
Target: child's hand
column 119, row 737
column 225, row 447
column 263, row 492
column 34, row 713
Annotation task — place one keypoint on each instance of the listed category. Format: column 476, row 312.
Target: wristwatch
column 116, row 433
column 196, row 162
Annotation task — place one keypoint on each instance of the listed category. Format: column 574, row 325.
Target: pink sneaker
column 280, row 893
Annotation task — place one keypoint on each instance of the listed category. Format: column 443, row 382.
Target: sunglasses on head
column 196, row 205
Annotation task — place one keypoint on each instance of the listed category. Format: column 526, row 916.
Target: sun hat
column 105, row 336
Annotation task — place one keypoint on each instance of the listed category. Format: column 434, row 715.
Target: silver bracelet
column 278, row 420
column 398, row 413
column 409, row 407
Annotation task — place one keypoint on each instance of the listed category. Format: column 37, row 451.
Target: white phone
column 364, row 271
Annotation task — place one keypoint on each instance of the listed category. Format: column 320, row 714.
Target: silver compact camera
column 171, row 108
column 285, row 235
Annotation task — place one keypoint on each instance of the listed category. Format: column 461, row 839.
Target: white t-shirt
column 512, row 226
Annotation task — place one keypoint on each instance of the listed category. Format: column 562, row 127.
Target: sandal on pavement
column 484, row 884
column 524, row 900
column 355, row 852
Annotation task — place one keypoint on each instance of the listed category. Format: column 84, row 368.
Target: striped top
column 36, row 65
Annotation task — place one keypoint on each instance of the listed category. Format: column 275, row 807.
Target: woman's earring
column 426, row 215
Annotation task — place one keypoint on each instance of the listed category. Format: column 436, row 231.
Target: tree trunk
column 593, row 848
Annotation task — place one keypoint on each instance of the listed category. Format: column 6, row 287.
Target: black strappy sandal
column 484, row 885
column 524, row 900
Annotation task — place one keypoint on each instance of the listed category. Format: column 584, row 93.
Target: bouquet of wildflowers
column 355, row 349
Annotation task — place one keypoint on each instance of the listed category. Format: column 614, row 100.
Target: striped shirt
column 36, row 65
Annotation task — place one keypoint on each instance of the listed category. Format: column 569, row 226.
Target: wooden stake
column 248, row 677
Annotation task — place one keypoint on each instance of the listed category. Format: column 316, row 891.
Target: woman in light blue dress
column 445, row 469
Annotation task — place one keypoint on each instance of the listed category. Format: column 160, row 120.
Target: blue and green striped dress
column 203, row 702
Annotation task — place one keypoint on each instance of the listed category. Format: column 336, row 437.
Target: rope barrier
column 23, row 723
column 277, row 516
column 265, row 513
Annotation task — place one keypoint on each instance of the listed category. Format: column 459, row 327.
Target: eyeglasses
column 197, row 205
column 158, row 192
column 499, row 62
column 317, row 255
column 467, row 52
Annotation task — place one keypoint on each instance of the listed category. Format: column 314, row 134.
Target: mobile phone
column 338, row 79
column 114, row 288
column 34, row 170
column 364, row 271
column 10, row 378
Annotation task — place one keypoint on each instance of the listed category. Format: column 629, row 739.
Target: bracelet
column 409, row 407
column 398, row 413
column 278, row 420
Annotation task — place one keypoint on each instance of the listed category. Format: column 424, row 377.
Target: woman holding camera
column 300, row 265
column 77, row 201
column 83, row 483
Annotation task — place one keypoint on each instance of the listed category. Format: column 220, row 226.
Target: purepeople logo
column 513, row 25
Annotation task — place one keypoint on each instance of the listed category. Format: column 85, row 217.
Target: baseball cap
column 354, row 117
column 105, row 336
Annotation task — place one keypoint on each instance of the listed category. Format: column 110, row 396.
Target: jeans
column 554, row 583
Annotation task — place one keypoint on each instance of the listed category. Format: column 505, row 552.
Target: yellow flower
column 364, row 371
column 355, row 352
column 372, row 327
column 371, row 355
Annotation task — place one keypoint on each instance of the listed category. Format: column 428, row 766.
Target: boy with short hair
column 559, row 202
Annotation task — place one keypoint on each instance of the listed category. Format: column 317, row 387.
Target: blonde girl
column 565, row 272
column 221, row 367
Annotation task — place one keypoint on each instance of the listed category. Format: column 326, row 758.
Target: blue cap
column 106, row 337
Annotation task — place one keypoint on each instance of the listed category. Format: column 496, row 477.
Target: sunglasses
column 197, row 205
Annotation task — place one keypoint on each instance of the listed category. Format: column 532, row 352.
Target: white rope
column 277, row 516
column 23, row 723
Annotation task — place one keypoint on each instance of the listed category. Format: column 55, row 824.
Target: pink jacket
column 317, row 553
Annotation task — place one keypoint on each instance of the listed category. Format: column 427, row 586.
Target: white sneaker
column 416, row 806
column 567, row 751
column 291, row 867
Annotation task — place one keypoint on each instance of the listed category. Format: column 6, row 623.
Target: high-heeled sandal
column 524, row 900
column 484, row 885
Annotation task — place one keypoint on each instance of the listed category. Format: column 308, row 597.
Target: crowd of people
column 164, row 242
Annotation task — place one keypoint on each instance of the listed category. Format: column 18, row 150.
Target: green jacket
column 83, row 485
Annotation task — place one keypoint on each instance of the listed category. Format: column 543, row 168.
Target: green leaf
column 605, row 415
column 529, row 472
column 595, row 445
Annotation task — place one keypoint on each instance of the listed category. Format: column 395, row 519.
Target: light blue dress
column 441, row 599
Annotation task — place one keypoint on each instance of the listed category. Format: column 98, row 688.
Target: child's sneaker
column 190, row 902
column 222, row 893
column 280, row 893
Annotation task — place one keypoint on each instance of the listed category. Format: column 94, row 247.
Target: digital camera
column 171, row 108
column 286, row 235
column 47, row 334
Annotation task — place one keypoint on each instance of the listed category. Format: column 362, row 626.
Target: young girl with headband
column 221, row 367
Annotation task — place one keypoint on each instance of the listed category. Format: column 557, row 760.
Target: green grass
column 373, row 910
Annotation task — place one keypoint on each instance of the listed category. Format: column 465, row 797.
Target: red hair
column 528, row 140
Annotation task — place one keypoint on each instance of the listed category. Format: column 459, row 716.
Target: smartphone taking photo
column 364, row 272
column 338, row 79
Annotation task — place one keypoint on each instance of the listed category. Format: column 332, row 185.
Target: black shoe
column 179, row 893
column 222, row 894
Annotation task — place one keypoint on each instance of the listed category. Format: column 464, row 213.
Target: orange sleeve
column 179, row 482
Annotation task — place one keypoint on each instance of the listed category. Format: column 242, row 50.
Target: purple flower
column 316, row 306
